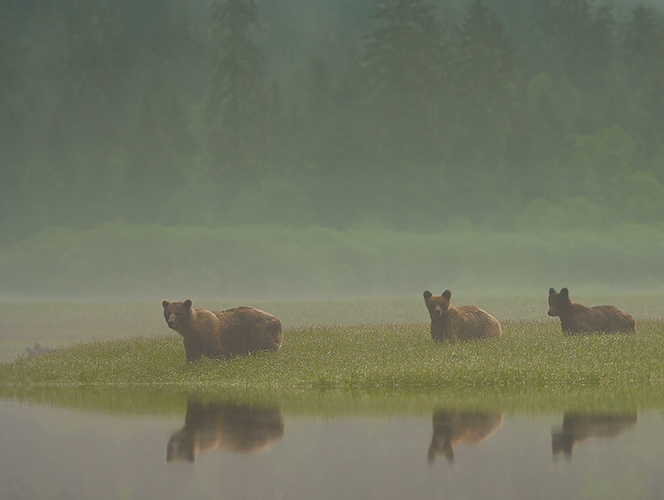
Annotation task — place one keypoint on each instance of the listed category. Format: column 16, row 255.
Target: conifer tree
column 644, row 34
column 485, row 84
column 404, row 70
column 644, row 53
column 236, row 106
column 576, row 39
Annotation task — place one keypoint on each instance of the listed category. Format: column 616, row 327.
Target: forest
column 400, row 115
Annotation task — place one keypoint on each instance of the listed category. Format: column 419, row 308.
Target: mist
column 333, row 148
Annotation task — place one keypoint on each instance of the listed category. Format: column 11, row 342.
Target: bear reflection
column 451, row 428
column 225, row 426
column 578, row 428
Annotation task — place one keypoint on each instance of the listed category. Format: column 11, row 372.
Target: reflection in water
column 578, row 428
column 38, row 350
column 55, row 453
column 229, row 426
column 451, row 428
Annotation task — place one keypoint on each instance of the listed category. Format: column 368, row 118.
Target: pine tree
column 484, row 50
column 236, row 108
column 404, row 54
column 486, row 85
column 644, row 35
column 644, row 58
column 576, row 39
column 404, row 74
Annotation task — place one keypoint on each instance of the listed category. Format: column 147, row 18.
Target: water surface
column 230, row 450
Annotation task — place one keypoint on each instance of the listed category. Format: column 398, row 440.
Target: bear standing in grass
column 237, row 331
column 577, row 318
column 462, row 323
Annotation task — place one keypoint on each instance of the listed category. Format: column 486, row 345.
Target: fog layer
column 388, row 144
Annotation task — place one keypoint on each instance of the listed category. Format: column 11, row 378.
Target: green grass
column 533, row 367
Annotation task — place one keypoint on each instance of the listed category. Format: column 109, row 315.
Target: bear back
column 237, row 331
column 246, row 329
column 577, row 318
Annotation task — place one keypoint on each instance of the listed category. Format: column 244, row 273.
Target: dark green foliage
column 236, row 107
column 487, row 89
column 403, row 114
column 404, row 68
column 643, row 34
column 576, row 38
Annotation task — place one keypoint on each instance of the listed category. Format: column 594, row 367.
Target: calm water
column 236, row 452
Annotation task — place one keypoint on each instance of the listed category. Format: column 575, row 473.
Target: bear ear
column 427, row 295
column 564, row 292
column 164, row 303
column 187, row 303
column 447, row 294
column 552, row 291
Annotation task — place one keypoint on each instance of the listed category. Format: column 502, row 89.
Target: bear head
column 437, row 304
column 177, row 314
column 558, row 302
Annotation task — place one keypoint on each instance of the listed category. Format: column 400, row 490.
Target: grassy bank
column 61, row 324
column 533, row 367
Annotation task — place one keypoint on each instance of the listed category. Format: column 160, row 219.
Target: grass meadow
column 331, row 367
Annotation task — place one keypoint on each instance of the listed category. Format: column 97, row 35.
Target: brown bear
column 577, row 428
column 237, row 331
column 577, row 318
column 225, row 426
column 462, row 323
column 451, row 428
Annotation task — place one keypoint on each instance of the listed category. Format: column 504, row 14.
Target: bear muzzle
column 171, row 322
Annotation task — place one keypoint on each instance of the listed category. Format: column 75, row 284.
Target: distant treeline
column 397, row 114
column 121, row 261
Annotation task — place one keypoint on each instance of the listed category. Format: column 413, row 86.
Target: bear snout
column 437, row 312
column 171, row 322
